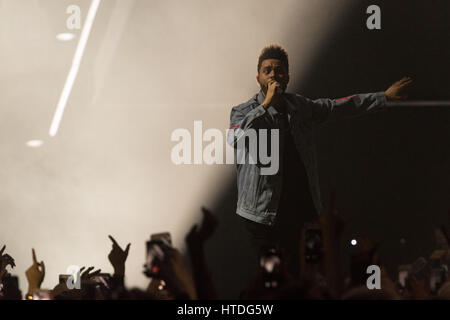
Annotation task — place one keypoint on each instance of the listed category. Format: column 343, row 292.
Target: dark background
column 390, row 169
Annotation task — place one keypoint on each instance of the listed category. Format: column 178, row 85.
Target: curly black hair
column 273, row 51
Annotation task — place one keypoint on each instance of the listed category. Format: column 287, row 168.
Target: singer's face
column 272, row 69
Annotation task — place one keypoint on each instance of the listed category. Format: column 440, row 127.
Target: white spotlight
column 354, row 242
column 65, row 36
column 34, row 143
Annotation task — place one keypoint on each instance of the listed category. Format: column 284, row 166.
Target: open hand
column 397, row 90
column 88, row 275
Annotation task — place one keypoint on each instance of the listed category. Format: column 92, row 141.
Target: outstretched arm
column 323, row 109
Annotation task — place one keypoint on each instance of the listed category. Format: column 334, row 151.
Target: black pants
column 286, row 231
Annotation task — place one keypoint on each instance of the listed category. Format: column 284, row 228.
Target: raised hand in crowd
column 6, row 260
column 332, row 226
column 174, row 271
column 86, row 292
column 176, row 266
column 35, row 274
column 117, row 257
column 195, row 240
column 88, row 275
column 197, row 236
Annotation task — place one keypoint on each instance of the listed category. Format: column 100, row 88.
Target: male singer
column 274, row 207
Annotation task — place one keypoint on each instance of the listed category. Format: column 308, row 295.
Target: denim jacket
column 259, row 194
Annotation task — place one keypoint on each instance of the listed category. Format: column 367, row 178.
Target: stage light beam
column 74, row 68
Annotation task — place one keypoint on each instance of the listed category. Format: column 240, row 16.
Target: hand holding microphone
column 274, row 90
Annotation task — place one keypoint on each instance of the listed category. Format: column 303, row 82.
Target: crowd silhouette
column 171, row 277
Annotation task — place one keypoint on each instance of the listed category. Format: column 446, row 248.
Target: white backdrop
column 149, row 67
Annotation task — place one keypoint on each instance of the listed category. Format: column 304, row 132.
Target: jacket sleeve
column 323, row 109
column 240, row 123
